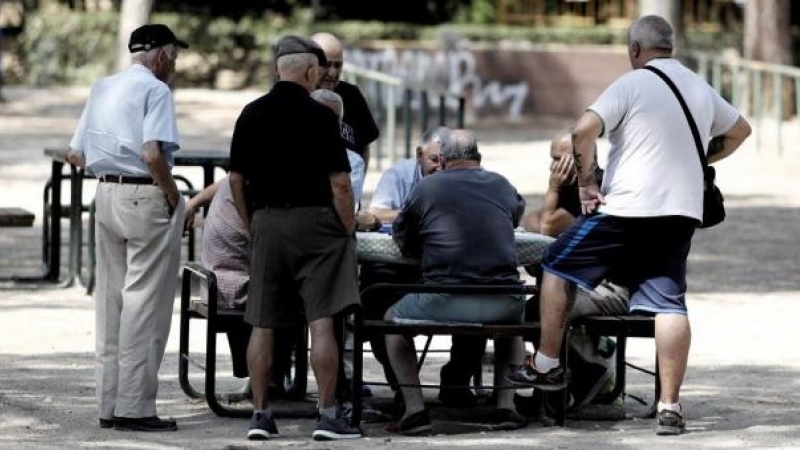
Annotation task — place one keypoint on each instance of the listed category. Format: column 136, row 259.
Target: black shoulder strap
column 696, row 134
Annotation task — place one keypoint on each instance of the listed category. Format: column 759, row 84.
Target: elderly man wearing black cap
column 126, row 136
column 302, row 224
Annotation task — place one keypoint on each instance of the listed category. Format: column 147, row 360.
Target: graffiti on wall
column 453, row 71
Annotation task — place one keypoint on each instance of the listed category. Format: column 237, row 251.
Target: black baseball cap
column 289, row 45
column 151, row 36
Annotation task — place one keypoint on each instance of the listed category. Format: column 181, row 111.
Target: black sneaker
column 527, row 376
column 261, row 427
column 335, row 429
column 670, row 423
column 144, row 424
column 416, row 423
column 106, row 423
column 506, row 420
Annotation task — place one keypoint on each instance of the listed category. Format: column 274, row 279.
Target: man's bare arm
column 731, row 140
column 203, row 198
column 586, row 131
column 159, row 170
column 239, row 200
column 343, row 200
column 385, row 215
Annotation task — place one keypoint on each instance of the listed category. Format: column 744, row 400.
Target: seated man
column 438, row 225
column 391, row 193
column 591, row 365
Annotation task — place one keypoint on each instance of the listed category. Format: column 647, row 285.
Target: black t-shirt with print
column 358, row 127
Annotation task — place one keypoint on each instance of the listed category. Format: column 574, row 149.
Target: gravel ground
column 741, row 389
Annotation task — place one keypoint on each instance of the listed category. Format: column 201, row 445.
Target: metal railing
column 387, row 95
column 747, row 85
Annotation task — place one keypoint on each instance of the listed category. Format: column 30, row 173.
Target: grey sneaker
column 335, row 429
column 670, row 423
column 526, row 376
column 261, row 427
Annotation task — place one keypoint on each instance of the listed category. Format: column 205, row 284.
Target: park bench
column 362, row 328
column 15, row 217
column 220, row 320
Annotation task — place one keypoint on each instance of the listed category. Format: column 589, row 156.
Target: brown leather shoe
column 144, row 424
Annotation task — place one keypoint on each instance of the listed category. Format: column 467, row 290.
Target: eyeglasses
column 334, row 65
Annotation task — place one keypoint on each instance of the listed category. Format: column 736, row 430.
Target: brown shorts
column 302, row 260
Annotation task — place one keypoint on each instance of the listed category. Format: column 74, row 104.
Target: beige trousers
column 138, row 257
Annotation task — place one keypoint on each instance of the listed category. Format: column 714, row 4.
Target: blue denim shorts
column 646, row 255
column 487, row 309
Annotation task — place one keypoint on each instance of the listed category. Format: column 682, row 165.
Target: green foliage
column 65, row 47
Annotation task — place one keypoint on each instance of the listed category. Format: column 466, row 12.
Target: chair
column 529, row 332
column 220, row 320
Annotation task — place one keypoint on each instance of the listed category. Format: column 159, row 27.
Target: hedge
column 66, row 47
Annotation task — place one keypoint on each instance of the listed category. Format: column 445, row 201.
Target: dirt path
column 741, row 389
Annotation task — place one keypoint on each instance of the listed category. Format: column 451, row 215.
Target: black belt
column 122, row 179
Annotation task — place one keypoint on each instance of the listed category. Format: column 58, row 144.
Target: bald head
column 561, row 144
column 334, row 52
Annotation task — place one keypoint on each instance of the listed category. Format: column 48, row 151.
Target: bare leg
column 259, row 364
column 324, row 359
column 557, row 298
column 507, row 351
column 673, row 338
column 403, row 357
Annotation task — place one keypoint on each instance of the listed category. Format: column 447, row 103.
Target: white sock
column 670, row 406
column 544, row 363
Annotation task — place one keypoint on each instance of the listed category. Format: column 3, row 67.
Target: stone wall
column 504, row 83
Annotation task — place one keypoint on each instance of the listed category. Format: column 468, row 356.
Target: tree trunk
column 671, row 10
column 133, row 14
column 768, row 31
column 768, row 38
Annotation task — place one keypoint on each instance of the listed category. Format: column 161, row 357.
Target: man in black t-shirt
column 358, row 127
column 302, row 227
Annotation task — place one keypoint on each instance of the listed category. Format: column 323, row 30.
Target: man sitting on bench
column 438, row 223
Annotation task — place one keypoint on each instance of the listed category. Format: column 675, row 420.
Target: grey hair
column 148, row 57
column 295, row 62
column 460, row 145
column 328, row 96
column 438, row 135
column 652, row 32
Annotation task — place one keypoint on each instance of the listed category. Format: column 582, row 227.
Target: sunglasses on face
column 334, row 65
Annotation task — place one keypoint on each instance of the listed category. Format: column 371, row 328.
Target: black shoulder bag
column 713, row 206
